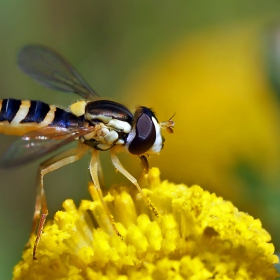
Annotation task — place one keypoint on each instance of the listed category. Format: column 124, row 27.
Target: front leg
column 121, row 169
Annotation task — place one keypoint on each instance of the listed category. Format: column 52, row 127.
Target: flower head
column 197, row 236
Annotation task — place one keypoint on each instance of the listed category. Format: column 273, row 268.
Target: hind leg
column 41, row 209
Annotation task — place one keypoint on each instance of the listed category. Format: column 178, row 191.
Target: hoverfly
column 98, row 125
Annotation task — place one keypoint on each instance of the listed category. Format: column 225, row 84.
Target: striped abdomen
column 18, row 117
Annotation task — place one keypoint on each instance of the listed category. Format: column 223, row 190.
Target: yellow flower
column 197, row 236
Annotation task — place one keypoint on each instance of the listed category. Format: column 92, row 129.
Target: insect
column 98, row 125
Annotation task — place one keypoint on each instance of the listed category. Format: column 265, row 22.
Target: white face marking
column 157, row 146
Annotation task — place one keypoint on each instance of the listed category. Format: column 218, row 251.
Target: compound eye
column 145, row 133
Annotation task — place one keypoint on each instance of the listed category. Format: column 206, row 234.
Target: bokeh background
column 215, row 64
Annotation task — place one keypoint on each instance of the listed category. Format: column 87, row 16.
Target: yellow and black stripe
column 18, row 117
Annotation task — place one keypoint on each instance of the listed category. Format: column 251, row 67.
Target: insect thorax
column 112, row 122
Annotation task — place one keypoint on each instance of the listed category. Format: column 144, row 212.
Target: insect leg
column 145, row 164
column 55, row 162
column 101, row 174
column 121, row 169
column 94, row 175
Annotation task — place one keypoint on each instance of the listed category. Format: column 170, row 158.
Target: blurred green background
column 216, row 64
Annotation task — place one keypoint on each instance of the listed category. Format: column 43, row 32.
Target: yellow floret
column 197, row 236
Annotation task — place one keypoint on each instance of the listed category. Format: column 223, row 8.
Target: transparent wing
column 50, row 69
column 36, row 144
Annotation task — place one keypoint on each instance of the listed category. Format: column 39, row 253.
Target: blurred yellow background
column 216, row 65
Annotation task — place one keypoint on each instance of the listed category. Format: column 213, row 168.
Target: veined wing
column 38, row 143
column 50, row 69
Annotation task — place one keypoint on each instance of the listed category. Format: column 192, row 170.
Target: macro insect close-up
column 98, row 125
